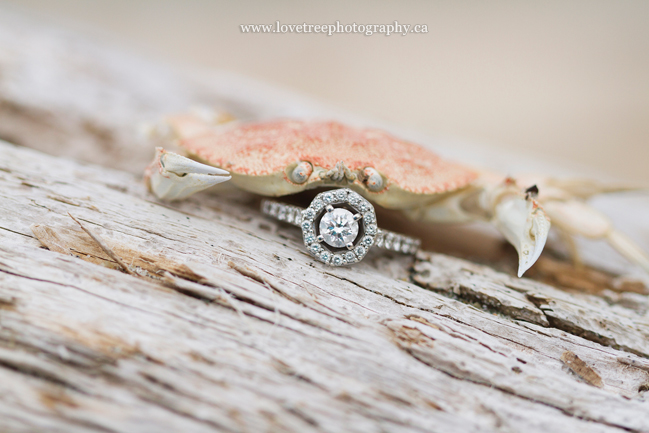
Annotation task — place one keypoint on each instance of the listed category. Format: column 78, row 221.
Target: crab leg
column 513, row 211
column 525, row 224
column 628, row 249
column 172, row 177
column 574, row 217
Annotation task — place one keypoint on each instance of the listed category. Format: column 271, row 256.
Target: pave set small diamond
column 283, row 212
column 339, row 227
column 396, row 242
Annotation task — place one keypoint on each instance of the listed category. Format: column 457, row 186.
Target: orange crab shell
column 259, row 156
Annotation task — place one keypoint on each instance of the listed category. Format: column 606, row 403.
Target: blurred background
column 566, row 80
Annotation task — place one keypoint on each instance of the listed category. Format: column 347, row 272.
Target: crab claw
column 172, row 177
column 525, row 225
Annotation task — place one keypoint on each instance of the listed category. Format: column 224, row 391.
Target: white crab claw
column 524, row 224
column 172, row 177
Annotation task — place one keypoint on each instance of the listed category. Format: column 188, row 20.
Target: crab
column 281, row 157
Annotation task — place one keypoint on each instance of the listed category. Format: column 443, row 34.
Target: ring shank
column 283, row 212
column 385, row 239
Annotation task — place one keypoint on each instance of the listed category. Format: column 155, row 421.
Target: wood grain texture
column 224, row 323
column 229, row 325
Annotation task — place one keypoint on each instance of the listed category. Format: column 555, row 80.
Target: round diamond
column 369, row 217
column 306, row 225
column 309, row 238
column 315, row 248
column 328, row 197
column 354, row 198
column 367, row 241
column 308, row 214
column 324, row 256
column 360, row 251
column 341, row 194
column 317, row 204
column 350, row 257
column 337, row 260
column 338, row 227
column 370, row 229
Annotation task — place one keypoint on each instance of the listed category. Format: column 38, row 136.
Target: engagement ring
column 339, row 227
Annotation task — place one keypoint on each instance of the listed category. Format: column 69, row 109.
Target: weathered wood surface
column 222, row 322
column 231, row 326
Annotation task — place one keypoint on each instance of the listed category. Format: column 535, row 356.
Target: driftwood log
column 120, row 313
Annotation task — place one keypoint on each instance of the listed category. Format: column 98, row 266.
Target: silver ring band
column 384, row 239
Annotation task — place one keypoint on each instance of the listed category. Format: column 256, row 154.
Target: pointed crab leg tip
column 524, row 224
column 171, row 176
column 538, row 236
column 174, row 187
column 213, row 180
column 525, row 263
column 180, row 165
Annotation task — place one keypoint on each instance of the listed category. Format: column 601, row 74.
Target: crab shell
column 283, row 157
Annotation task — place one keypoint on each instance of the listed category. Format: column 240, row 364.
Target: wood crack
column 419, row 349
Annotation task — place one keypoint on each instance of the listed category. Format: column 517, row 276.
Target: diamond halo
column 348, row 230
